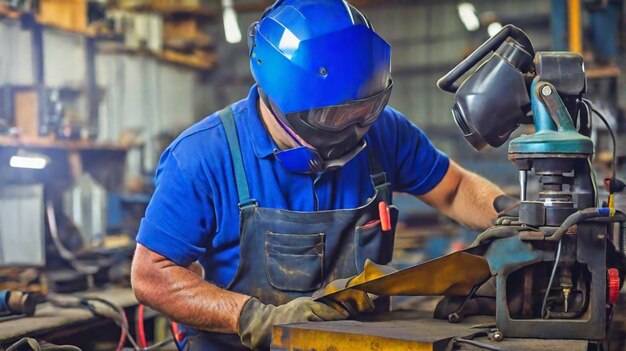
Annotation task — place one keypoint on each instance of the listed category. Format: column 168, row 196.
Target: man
column 287, row 190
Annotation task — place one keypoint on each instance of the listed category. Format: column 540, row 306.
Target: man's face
column 335, row 130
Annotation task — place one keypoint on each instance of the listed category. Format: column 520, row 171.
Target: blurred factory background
column 92, row 91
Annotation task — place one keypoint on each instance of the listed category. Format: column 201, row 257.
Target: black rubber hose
column 576, row 218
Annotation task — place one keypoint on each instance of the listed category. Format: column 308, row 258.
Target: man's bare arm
column 183, row 295
column 465, row 197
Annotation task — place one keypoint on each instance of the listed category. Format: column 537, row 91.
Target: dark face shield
column 339, row 117
column 336, row 132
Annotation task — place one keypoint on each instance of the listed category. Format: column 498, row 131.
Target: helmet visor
column 335, row 118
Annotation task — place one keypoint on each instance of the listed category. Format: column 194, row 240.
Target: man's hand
column 257, row 319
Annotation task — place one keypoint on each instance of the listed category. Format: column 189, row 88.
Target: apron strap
column 377, row 173
column 243, row 190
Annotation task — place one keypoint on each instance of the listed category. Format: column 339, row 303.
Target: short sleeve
column 419, row 165
column 179, row 217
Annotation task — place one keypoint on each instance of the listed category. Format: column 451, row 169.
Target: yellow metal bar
column 574, row 26
column 296, row 339
column 451, row 275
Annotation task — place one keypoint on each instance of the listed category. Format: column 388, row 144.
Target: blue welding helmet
column 325, row 71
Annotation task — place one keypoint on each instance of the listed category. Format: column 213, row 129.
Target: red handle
column 383, row 213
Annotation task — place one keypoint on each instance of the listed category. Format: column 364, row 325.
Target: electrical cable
column 556, row 264
column 173, row 327
column 130, row 338
column 613, row 181
column 122, row 341
column 123, row 335
column 608, row 127
column 120, row 316
column 120, row 311
column 141, row 334
column 161, row 343
column 139, row 327
column 33, row 344
column 121, row 320
column 63, row 251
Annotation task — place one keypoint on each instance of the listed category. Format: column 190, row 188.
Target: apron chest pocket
column 294, row 262
column 374, row 244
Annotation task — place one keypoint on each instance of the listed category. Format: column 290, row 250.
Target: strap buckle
column 248, row 204
column 379, row 179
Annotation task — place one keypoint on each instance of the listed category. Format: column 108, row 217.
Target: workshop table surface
column 49, row 318
column 403, row 330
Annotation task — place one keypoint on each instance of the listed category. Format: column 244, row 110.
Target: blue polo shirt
column 193, row 214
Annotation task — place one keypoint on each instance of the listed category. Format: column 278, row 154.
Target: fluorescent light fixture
column 231, row 27
column 494, row 28
column 467, row 14
column 30, row 162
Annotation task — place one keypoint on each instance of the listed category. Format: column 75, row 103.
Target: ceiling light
column 494, row 28
column 30, row 162
column 27, row 159
column 467, row 14
column 231, row 27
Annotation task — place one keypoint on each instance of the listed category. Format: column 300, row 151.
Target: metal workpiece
column 447, row 276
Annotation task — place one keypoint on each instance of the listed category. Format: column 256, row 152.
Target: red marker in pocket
column 385, row 218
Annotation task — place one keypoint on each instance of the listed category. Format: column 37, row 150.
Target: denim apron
column 288, row 254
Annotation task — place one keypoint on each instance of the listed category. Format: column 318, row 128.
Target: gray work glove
column 257, row 319
column 506, row 206
column 353, row 301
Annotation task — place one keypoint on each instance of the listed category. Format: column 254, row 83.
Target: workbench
column 403, row 330
column 51, row 322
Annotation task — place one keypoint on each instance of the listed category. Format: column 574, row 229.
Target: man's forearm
column 182, row 295
column 473, row 204
column 464, row 196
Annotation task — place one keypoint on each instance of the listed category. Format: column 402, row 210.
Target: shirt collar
column 262, row 143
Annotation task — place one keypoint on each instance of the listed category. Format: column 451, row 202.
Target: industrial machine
column 559, row 244
column 550, row 267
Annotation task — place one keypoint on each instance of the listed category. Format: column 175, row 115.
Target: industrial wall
column 148, row 96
